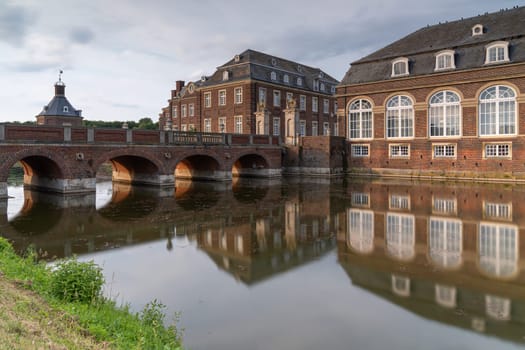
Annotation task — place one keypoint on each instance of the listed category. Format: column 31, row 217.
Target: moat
column 310, row 264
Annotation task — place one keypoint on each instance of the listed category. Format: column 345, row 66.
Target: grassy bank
column 63, row 308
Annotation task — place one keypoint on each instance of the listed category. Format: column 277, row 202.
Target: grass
column 35, row 314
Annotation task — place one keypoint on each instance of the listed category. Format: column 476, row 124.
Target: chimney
column 179, row 84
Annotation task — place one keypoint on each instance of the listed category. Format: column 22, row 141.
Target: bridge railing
column 15, row 133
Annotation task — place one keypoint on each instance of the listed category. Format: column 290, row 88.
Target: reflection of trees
column 36, row 219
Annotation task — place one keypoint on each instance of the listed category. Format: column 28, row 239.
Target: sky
column 121, row 58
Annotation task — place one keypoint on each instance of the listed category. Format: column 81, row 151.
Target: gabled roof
column 422, row 45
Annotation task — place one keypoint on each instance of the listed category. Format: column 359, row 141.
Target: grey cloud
column 14, row 22
column 81, row 35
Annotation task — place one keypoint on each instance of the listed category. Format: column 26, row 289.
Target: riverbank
column 31, row 317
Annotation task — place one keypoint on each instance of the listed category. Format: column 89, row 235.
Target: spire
column 60, row 87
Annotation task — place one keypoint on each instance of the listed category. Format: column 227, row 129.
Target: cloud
column 14, row 22
column 80, row 35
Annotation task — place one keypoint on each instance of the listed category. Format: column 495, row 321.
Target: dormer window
column 65, row 109
column 299, row 81
column 323, row 88
column 274, row 62
column 477, row 30
column 316, row 85
column 273, row 76
column 497, row 52
column 237, row 58
column 286, row 79
column 445, row 60
column 225, row 75
column 400, row 67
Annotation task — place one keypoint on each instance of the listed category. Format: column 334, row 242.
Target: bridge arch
column 134, row 167
column 251, row 165
column 200, row 167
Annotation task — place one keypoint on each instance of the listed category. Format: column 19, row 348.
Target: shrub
column 75, row 281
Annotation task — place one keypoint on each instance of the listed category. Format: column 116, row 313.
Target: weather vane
column 60, row 75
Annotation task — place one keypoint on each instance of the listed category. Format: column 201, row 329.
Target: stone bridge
column 67, row 159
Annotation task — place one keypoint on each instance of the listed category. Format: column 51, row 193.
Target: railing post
column 170, row 137
column 199, row 138
column 229, row 139
column 162, row 138
column 129, row 136
column 250, row 139
column 90, row 135
column 2, row 132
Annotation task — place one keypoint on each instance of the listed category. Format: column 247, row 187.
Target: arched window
column 360, row 120
column 286, row 79
column 497, row 52
column 399, row 117
column 445, row 60
column 400, row 67
column 273, row 76
column 497, row 111
column 444, row 114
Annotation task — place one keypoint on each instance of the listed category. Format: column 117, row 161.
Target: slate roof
column 256, row 65
column 421, row 46
column 55, row 107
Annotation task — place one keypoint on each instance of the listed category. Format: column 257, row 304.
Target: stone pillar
column 291, row 123
column 262, row 120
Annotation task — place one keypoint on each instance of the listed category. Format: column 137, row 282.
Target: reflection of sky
column 314, row 306
column 15, row 203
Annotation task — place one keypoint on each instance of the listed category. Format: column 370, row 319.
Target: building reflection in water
column 448, row 253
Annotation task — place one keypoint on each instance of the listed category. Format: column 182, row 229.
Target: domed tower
column 59, row 112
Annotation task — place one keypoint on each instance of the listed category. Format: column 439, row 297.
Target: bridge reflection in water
column 449, row 253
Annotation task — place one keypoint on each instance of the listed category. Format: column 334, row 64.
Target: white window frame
column 360, row 199
column 445, row 241
column 400, row 117
column 174, row 111
column 191, row 110
column 360, row 150
column 444, row 150
column 315, row 128
column 207, row 124
column 445, row 206
column 497, row 110
column 238, row 95
column 207, row 99
column 286, row 79
column 360, row 233
column 498, row 211
column 401, row 62
column 299, row 81
column 222, row 98
column 315, row 104
column 183, row 111
column 302, row 102
column 276, row 98
column 497, row 52
column 326, row 129
column 221, row 121
column 225, row 75
column 399, row 150
column 276, row 126
column 238, row 124
column 445, row 60
column 326, row 106
column 498, row 249
column 360, row 120
column 444, row 115
column 273, row 76
column 262, row 95
column 401, row 285
column 497, row 150
column 302, row 127
column 400, row 236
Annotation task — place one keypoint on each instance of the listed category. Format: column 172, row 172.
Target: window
column 497, row 210
column 444, row 206
column 400, row 67
column 183, row 111
column 174, row 111
column 444, row 114
column 239, row 244
column 286, row 79
column 238, row 124
column 326, row 106
column 225, row 75
column 326, row 129
column 497, row 150
column 497, row 52
column 262, row 95
column 273, row 76
column 316, row 85
column 65, row 109
column 446, row 296
column 289, row 96
column 400, row 202
column 191, row 127
column 444, row 151
column 302, row 102
column 498, row 249
column 191, row 108
column 497, row 307
column 207, row 99
column 360, row 199
column 445, row 60
column 360, row 120
column 497, row 111
column 315, row 104
column 477, row 30
column 276, row 126
column 222, row 97
column 322, row 87
column 299, row 81
column 207, row 125
column 399, row 117
column 277, row 98
column 360, row 150
column 222, row 124
column 360, row 234
column 445, row 242
column 183, row 127
column 400, row 236
column 315, row 128
column 399, row 151
column 238, row 95
column 401, row 285
column 302, row 128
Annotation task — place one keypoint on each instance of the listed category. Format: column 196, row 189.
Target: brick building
column 59, row 111
column 250, row 94
column 446, row 100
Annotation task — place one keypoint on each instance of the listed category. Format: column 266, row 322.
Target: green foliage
column 143, row 123
column 157, row 336
column 75, row 281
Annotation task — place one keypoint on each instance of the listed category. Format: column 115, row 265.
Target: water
column 301, row 264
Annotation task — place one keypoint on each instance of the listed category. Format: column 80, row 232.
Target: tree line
column 143, row 123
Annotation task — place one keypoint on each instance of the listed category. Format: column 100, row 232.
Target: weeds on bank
column 76, row 288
